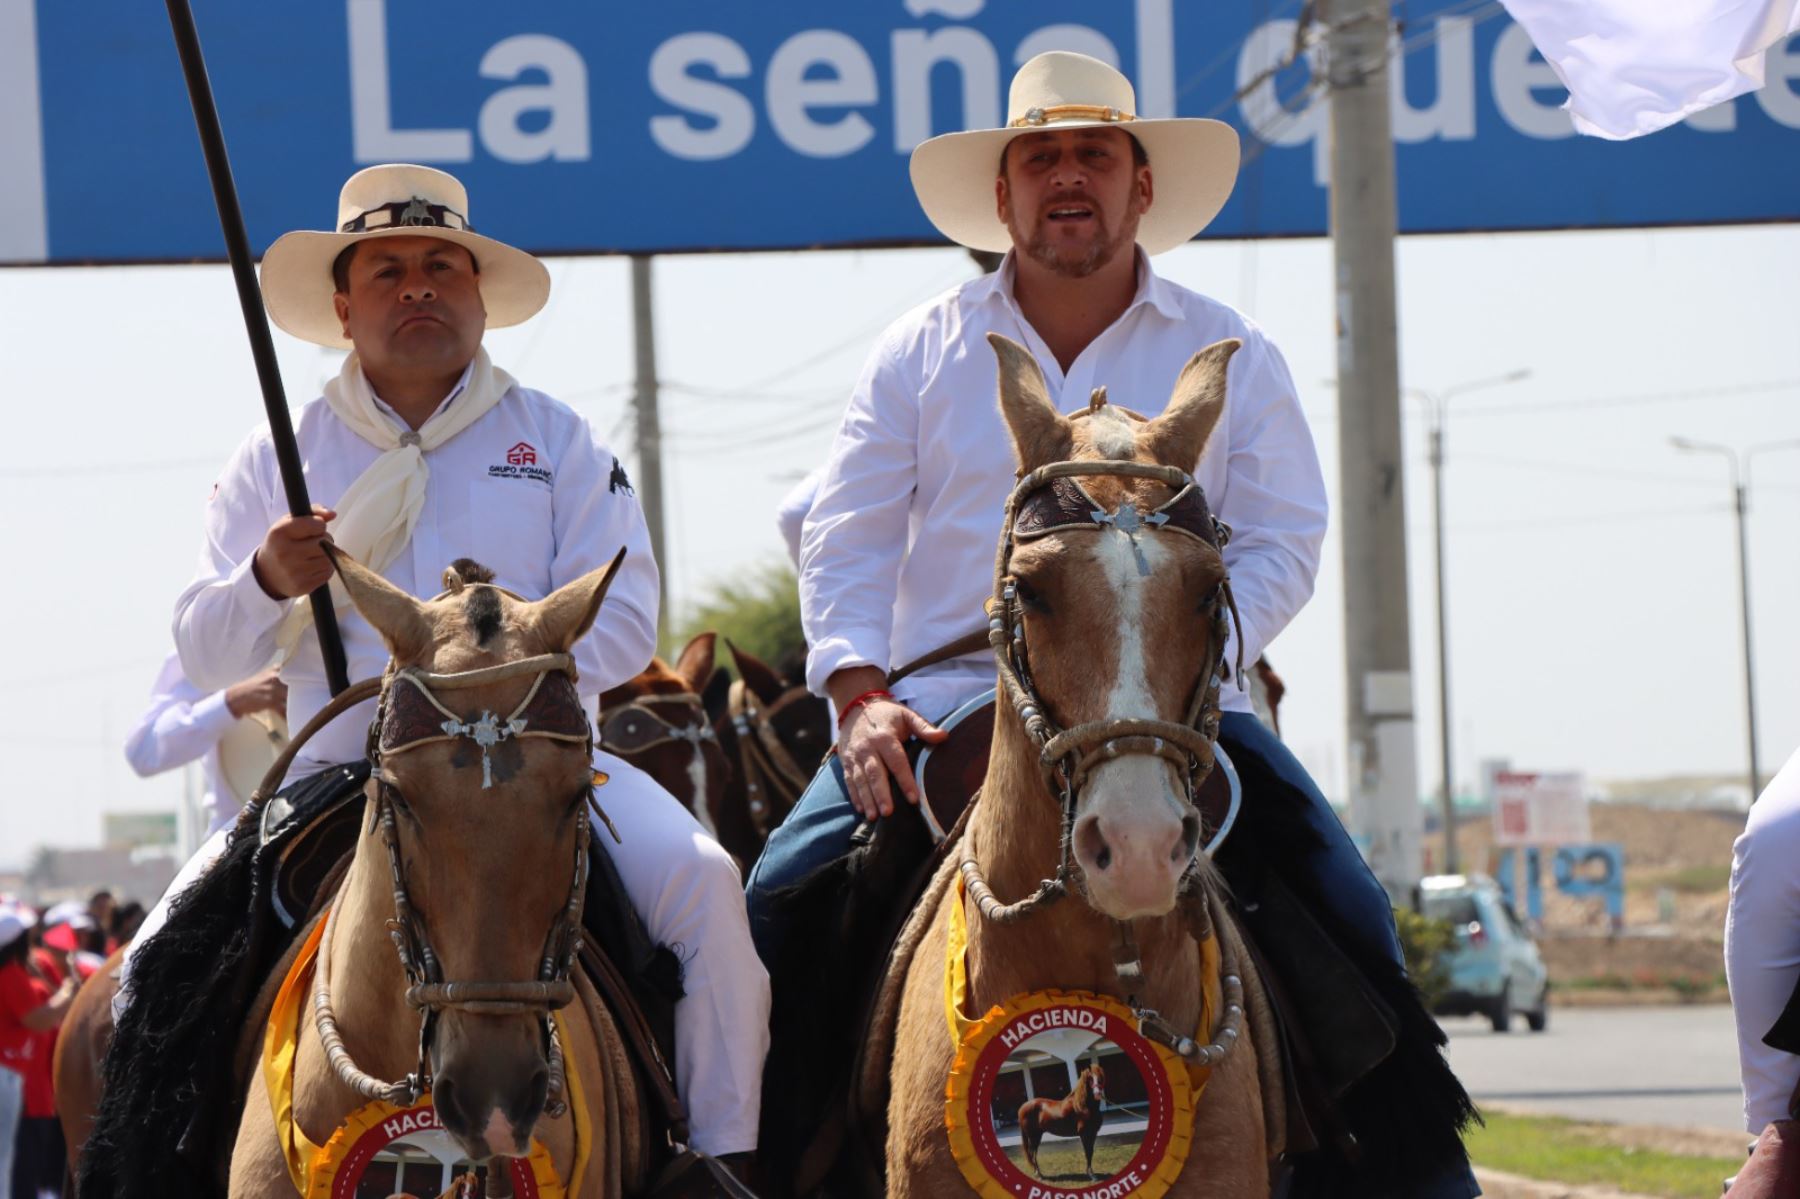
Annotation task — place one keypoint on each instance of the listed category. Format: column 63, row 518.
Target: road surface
column 1638, row 1065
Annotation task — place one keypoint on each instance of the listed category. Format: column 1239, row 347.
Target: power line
column 857, row 338
column 736, row 395
column 1626, row 401
column 1559, row 521
column 111, row 468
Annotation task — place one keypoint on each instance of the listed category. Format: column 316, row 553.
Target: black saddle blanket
column 171, row 1100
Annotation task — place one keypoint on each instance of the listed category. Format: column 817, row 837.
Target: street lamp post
column 1740, row 507
column 1435, row 403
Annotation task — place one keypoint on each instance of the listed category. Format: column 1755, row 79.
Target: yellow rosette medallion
column 1056, row 1095
column 382, row 1150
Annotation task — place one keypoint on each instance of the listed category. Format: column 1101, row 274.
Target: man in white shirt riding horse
column 421, row 452
column 898, row 546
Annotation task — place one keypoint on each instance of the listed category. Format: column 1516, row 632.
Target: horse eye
column 1028, row 595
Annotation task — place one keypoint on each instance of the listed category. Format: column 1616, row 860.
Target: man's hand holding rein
column 873, row 728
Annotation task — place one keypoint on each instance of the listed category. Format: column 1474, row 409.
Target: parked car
column 1495, row 969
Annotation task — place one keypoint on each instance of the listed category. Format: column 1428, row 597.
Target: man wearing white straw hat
column 897, row 550
column 422, row 451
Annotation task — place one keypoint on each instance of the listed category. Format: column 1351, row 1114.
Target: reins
column 773, row 781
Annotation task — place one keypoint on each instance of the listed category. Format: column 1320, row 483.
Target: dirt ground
column 1688, row 852
column 1677, row 878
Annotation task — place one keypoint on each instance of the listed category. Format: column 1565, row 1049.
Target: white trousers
column 688, row 891
column 1762, row 943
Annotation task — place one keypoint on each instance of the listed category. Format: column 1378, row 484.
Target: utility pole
column 1435, row 410
column 1740, row 506
column 649, row 424
column 1448, row 774
column 1382, row 773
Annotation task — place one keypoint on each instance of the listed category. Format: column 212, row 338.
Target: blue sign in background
column 689, row 125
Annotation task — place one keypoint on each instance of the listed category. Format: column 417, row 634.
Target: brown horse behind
column 1076, row 1114
column 80, row 1050
column 656, row 721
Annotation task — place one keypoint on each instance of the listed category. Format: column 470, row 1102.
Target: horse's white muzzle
column 1135, row 837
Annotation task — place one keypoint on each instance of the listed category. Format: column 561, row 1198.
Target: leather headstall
column 636, row 727
column 410, row 715
column 1051, row 500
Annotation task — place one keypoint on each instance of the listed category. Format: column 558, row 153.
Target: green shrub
column 1426, row 942
column 758, row 610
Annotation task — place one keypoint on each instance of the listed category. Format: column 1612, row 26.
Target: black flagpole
column 256, row 321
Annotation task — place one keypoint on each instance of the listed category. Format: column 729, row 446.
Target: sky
column 1592, row 579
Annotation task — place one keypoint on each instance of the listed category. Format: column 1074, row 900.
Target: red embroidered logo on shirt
column 521, row 455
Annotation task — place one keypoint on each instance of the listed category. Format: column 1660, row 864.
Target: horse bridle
column 407, row 718
column 773, row 781
column 1047, row 500
column 1050, row 500
column 634, row 727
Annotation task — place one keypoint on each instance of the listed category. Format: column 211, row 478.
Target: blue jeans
column 818, row 831
column 815, row 833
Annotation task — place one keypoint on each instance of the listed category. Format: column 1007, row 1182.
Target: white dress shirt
column 790, row 515
column 898, row 549
column 184, row 723
column 1762, row 943
column 527, row 490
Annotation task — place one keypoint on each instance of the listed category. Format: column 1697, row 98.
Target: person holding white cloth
column 422, row 452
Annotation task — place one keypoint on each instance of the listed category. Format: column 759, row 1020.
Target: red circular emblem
column 382, row 1151
column 1055, row 1095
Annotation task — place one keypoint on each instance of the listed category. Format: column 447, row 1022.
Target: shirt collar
column 1152, row 288
column 462, row 384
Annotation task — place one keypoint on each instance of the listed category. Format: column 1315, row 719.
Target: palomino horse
column 1110, row 581
column 775, row 733
column 657, row 721
column 1076, row 1114
column 472, row 864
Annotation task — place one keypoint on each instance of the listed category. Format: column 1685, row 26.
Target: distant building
column 58, row 874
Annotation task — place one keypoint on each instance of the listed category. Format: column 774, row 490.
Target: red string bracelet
column 859, row 701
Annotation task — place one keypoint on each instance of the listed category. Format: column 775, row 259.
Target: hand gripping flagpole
column 256, row 321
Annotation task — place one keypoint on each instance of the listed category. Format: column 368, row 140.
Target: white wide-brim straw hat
column 1194, row 161
column 394, row 200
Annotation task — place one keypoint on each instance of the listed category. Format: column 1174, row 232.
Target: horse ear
column 696, row 661
column 1177, row 437
column 563, row 616
column 1039, row 432
column 716, row 697
column 397, row 616
column 756, row 674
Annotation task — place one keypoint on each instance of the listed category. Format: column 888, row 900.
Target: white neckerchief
column 376, row 514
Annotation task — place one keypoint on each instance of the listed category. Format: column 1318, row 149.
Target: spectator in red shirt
column 30, row 1010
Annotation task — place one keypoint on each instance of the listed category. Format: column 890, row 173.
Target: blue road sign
column 695, row 125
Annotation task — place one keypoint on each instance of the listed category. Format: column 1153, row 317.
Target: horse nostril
column 1188, row 844
column 443, row 1098
column 1090, row 843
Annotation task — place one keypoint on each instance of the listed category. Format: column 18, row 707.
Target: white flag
column 1635, row 66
